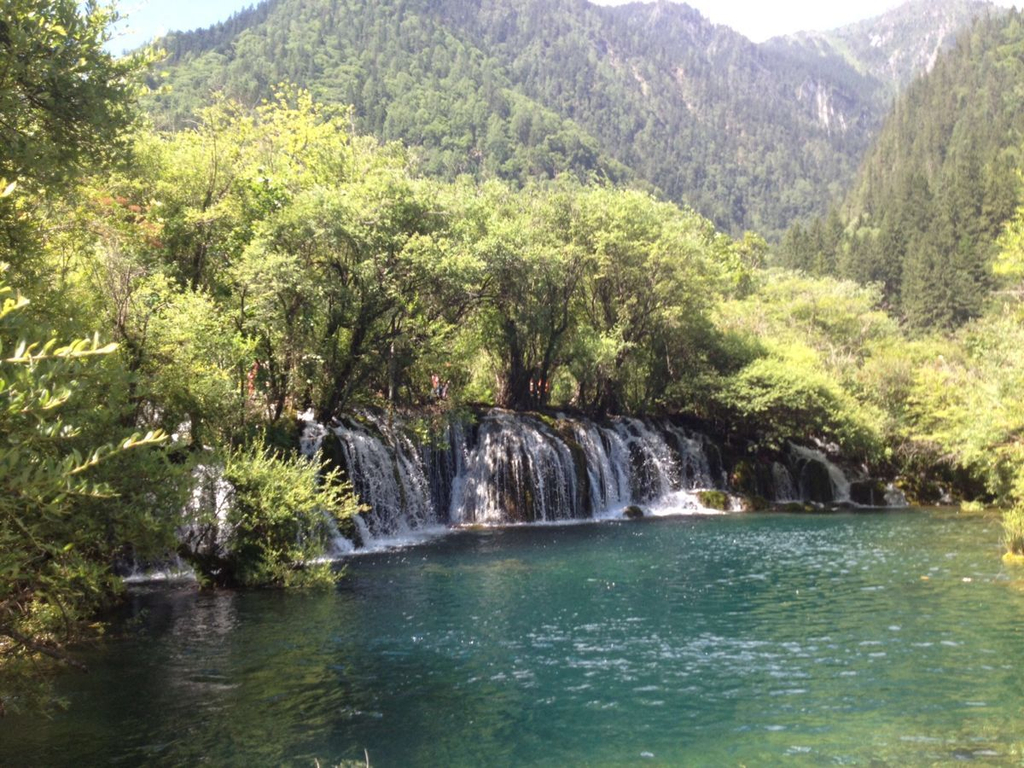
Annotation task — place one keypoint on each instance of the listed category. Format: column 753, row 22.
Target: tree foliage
column 751, row 136
column 968, row 400
column 54, row 554
column 283, row 515
column 66, row 103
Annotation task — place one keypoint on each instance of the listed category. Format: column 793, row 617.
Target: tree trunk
column 514, row 390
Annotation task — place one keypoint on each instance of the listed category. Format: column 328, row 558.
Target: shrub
column 283, row 514
column 1013, row 530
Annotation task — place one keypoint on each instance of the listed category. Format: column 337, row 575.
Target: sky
column 757, row 19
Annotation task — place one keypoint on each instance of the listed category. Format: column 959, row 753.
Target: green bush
column 1013, row 530
column 61, row 522
column 282, row 516
column 785, row 399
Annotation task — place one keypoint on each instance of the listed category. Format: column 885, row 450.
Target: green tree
column 54, row 555
column 647, row 296
column 533, row 272
column 1008, row 265
column 66, row 102
column 810, row 346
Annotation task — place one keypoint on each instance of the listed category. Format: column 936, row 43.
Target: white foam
column 177, row 572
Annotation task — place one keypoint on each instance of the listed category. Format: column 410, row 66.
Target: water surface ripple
column 741, row 639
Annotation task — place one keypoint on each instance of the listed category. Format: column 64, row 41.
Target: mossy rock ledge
column 713, row 500
column 633, row 512
column 755, row 503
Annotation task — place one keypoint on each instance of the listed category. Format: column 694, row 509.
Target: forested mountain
column 937, row 187
column 897, row 46
column 752, row 136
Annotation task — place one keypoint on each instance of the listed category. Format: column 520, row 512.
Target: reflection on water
column 735, row 639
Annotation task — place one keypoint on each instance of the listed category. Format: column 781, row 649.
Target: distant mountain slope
column 406, row 74
column 937, row 186
column 900, row 44
column 754, row 137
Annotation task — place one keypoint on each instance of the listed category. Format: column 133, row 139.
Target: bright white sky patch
column 146, row 19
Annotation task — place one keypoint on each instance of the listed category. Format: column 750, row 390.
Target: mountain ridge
column 869, row 44
column 753, row 136
column 923, row 217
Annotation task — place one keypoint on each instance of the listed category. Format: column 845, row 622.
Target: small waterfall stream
column 521, row 471
column 785, row 488
column 810, row 464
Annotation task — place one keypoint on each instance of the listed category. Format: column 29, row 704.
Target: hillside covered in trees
column 897, row 46
column 937, row 188
column 933, row 225
column 753, row 137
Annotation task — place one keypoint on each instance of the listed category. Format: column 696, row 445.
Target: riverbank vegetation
column 267, row 260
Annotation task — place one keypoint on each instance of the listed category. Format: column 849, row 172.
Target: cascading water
column 607, row 464
column 894, row 497
column 810, row 465
column 507, row 467
column 511, row 468
column 785, row 488
column 310, row 442
column 653, row 470
column 208, row 530
column 388, row 472
column 695, row 454
column 207, row 510
column 521, row 471
column 312, row 436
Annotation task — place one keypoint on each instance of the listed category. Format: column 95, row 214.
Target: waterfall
column 500, row 467
column 810, row 464
column 206, row 529
column 607, row 465
column 388, row 473
column 653, row 469
column 694, row 459
column 312, row 437
column 522, row 471
column 508, row 468
column 173, row 569
column 894, row 497
column 785, row 488
column 207, row 509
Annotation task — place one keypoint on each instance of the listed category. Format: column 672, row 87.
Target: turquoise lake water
column 895, row 638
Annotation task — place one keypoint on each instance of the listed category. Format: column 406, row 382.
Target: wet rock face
column 868, row 493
